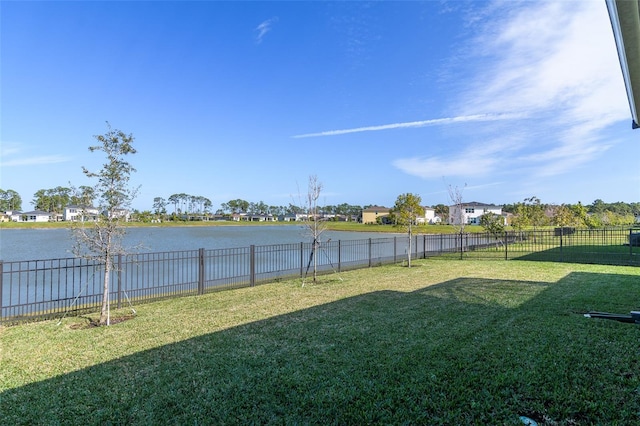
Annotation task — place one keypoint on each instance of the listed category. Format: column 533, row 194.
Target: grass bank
column 444, row 342
column 335, row 226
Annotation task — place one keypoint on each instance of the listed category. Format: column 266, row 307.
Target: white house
column 471, row 212
column 7, row 216
column 120, row 214
column 80, row 213
column 33, row 216
column 429, row 216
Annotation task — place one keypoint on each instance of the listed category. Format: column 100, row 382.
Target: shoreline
column 330, row 226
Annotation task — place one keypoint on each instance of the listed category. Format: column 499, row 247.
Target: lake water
column 35, row 244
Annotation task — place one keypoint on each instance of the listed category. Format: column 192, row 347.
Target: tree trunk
column 315, row 260
column 104, row 312
column 409, row 252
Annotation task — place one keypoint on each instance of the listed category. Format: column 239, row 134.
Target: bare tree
column 315, row 223
column 101, row 240
column 457, row 216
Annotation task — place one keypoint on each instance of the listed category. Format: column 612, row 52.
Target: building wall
column 71, row 213
column 371, row 214
column 471, row 213
column 429, row 216
column 35, row 216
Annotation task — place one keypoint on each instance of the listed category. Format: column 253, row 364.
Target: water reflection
column 31, row 244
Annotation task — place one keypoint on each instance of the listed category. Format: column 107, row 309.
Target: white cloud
column 32, row 161
column 9, row 150
column 264, row 28
column 437, row 167
column 551, row 56
column 556, row 62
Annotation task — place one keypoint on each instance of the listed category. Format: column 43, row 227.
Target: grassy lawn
column 595, row 250
column 335, row 226
column 419, row 229
column 445, row 342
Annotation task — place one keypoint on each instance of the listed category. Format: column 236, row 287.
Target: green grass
column 445, row 342
column 419, row 229
column 595, row 250
column 335, row 226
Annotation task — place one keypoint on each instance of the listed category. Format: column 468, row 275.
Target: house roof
column 625, row 22
column 376, row 209
column 477, row 204
column 35, row 213
column 79, row 206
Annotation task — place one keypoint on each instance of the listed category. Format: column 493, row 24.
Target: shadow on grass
column 598, row 255
column 467, row 351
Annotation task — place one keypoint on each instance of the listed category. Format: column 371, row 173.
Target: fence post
column 630, row 255
column 339, row 255
column 301, row 260
column 424, row 246
column 561, row 235
column 395, row 249
column 369, row 252
column 416, row 244
column 506, row 243
column 119, row 281
column 201, row 271
column 252, row 265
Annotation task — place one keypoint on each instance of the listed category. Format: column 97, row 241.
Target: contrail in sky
column 423, row 123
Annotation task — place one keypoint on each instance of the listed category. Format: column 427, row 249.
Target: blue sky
column 247, row 99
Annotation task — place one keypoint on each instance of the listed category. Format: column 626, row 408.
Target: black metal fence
column 40, row 289
column 610, row 246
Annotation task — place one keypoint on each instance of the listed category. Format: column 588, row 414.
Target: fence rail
column 41, row 289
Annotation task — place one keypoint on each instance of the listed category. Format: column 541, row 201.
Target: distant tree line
column 49, row 200
column 529, row 213
column 532, row 213
column 184, row 204
column 10, row 200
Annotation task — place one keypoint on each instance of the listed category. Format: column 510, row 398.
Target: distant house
column 250, row 217
column 120, row 214
column 371, row 214
column 343, row 218
column 33, row 216
column 429, row 216
column 471, row 212
column 74, row 213
column 262, row 218
column 293, row 217
column 6, row 216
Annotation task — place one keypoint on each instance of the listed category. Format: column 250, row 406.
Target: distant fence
column 41, row 289
column 609, row 246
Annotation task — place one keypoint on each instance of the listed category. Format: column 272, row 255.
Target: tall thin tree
column 405, row 214
column 315, row 222
column 458, row 215
column 101, row 239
